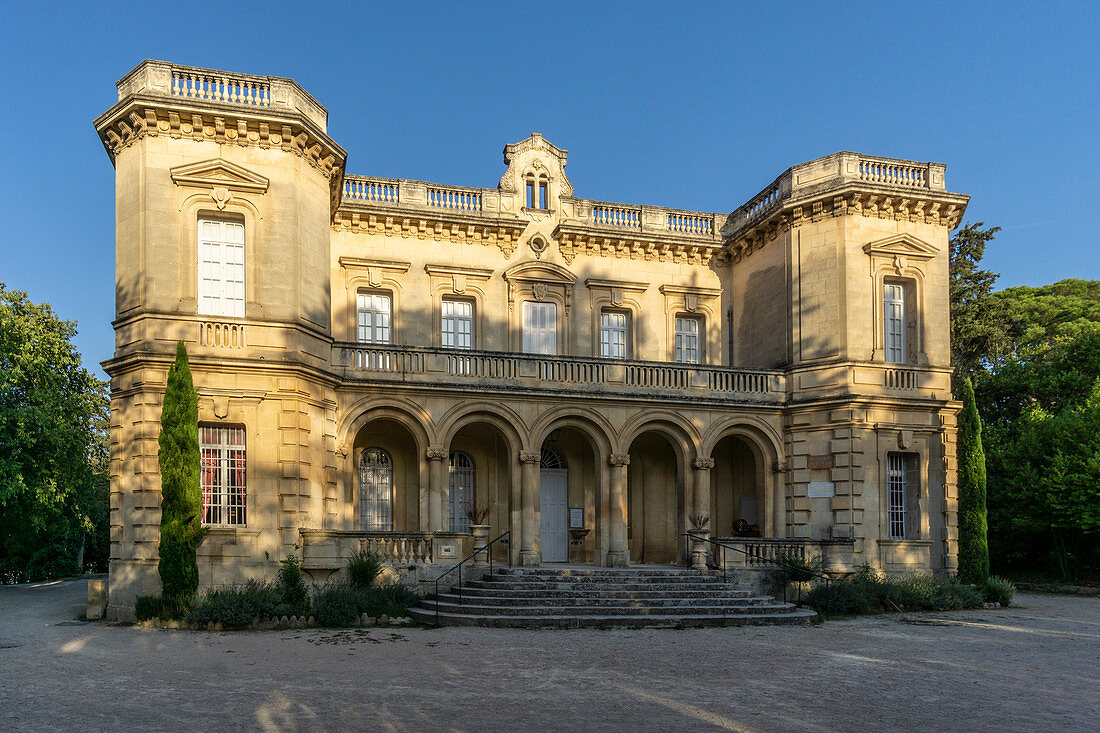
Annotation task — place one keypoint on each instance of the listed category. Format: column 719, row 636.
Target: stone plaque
column 821, row 490
column 819, row 463
column 576, row 517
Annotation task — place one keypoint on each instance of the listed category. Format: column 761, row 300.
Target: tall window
column 540, row 328
column 687, row 339
column 222, row 474
column 375, row 490
column 893, row 313
column 373, row 311
column 902, row 489
column 461, row 490
column 613, row 334
column 458, row 324
column 538, row 193
column 221, row 268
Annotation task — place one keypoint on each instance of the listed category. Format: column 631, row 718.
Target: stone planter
column 480, row 534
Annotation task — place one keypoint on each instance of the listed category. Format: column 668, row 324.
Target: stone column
column 436, row 455
column 529, row 495
column 779, row 504
column 699, row 548
column 618, row 555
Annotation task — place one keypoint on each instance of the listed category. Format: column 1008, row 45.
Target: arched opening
column 654, row 499
column 387, row 478
column 481, row 484
column 737, row 492
column 553, row 505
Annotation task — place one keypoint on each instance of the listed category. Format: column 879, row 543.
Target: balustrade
column 229, row 335
column 359, row 188
column 617, row 216
column 218, row 87
column 687, row 223
column 398, row 547
column 462, row 199
column 895, row 173
column 901, row 379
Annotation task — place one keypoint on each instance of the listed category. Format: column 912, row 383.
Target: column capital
column 703, row 464
column 529, row 456
column 437, row 453
column 619, row 459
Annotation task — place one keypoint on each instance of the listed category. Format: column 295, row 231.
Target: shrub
column 392, row 600
column 838, row 598
column 363, row 568
column 868, row 592
column 998, row 590
column 336, row 604
column 973, row 544
column 147, row 607
column 797, row 569
column 237, row 605
column 292, row 587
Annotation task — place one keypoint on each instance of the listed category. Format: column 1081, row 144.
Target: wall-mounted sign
column 576, row 517
column 819, row 463
column 821, row 490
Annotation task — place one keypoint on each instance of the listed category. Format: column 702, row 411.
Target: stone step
column 596, row 592
column 797, row 616
column 550, row 585
column 605, row 572
column 620, row 610
column 601, row 601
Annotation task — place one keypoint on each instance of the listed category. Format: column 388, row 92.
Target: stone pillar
column 779, row 504
column 618, row 555
column 529, row 495
column 699, row 549
column 436, row 455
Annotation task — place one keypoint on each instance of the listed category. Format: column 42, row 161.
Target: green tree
column 974, row 315
column 1036, row 320
column 973, row 544
column 181, row 496
column 52, row 424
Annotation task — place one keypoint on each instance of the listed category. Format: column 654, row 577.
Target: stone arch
column 598, row 429
column 684, row 436
column 765, row 448
column 761, row 434
column 505, row 419
column 408, row 413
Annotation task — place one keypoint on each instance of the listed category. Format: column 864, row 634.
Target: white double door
column 554, row 525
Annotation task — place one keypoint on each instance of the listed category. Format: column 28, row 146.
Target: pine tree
column 181, row 497
column 973, row 547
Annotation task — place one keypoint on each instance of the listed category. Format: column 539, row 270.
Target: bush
column 292, row 586
column 364, row 568
column 237, row 605
column 797, row 569
column 998, row 590
column 147, row 607
column 868, row 592
column 838, row 598
column 336, row 604
column 391, row 600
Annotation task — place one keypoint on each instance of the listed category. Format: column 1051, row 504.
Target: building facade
column 375, row 356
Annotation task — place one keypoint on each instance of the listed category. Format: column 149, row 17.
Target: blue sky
column 690, row 105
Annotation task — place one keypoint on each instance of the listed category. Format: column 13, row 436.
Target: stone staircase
column 568, row 598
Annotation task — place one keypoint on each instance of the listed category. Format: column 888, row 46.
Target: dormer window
column 538, row 192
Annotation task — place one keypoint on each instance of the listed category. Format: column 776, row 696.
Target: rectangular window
column 373, row 312
column 458, row 324
column 222, row 475
column 613, row 334
column 687, row 339
column 544, row 197
column 221, row 268
column 531, row 203
column 540, row 328
column 893, row 312
column 902, row 490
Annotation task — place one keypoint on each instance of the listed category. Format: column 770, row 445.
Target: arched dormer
column 535, row 178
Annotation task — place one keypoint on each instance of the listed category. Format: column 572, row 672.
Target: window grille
column 375, row 490
column 540, row 328
column 894, row 322
column 550, row 458
column 222, row 475
column 687, row 340
column 458, row 324
column 374, row 310
column 221, row 268
column 613, row 328
column 897, row 495
column 461, row 490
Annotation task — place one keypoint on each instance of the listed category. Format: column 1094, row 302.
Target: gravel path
column 1032, row 667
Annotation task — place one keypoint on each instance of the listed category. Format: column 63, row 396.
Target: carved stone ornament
column 221, row 197
column 221, row 407
column 459, row 284
column 539, row 290
column 619, row 459
column 538, row 245
column 342, row 450
column 905, row 439
column 703, row 464
column 779, row 467
column 437, row 453
column 529, row 456
column 691, row 302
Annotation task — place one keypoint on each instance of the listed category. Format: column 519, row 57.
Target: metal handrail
column 758, row 556
column 458, row 566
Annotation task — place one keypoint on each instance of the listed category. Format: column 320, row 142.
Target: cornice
column 474, row 273
column 364, row 263
column 636, row 287
column 440, row 225
column 574, row 240
column 699, row 292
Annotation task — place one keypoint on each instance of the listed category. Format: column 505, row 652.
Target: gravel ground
column 1031, row 667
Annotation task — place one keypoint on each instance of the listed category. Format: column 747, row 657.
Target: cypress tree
column 181, row 495
column 973, row 547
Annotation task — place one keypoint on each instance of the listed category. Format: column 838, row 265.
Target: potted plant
column 477, row 512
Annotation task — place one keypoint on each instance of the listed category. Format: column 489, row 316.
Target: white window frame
column 897, row 496
column 373, row 317
column 540, row 327
column 457, row 323
column 893, row 322
column 220, row 268
column 614, row 334
column 223, row 475
column 688, row 348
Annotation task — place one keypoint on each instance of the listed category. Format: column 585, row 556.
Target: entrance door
column 554, row 492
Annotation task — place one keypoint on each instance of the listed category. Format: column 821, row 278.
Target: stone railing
column 362, row 188
column 229, row 335
column 902, row 379
column 762, row 552
column 616, row 215
column 893, row 172
column 462, row 199
column 190, row 83
column 512, row 370
column 329, row 549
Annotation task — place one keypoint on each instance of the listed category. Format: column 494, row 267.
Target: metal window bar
column 222, row 475
column 896, row 511
column 375, row 490
column 461, row 490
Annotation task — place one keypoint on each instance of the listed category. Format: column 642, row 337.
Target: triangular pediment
column 219, row 173
column 903, row 245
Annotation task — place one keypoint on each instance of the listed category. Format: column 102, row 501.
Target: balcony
column 511, row 372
